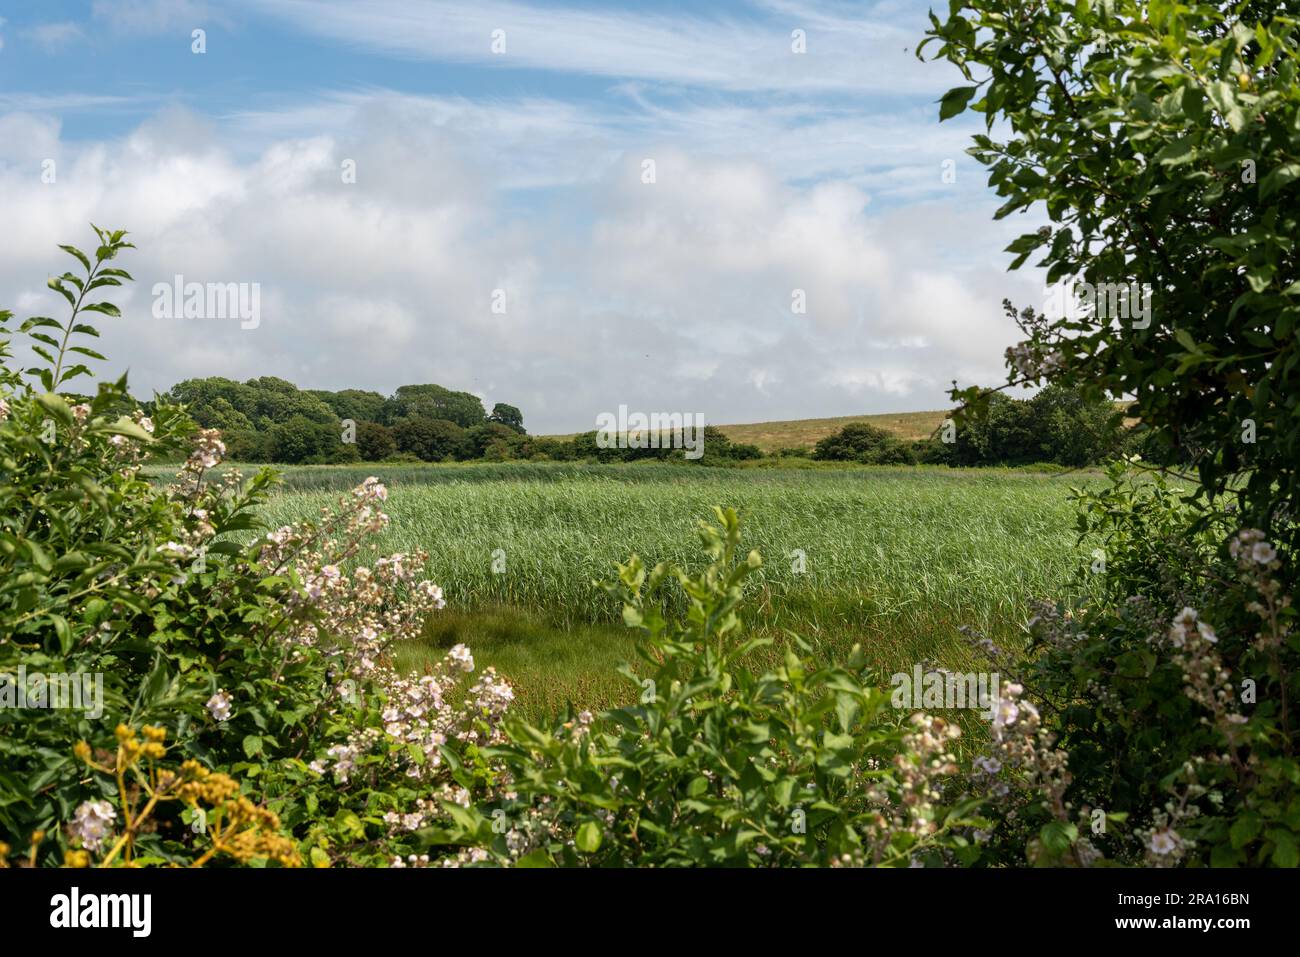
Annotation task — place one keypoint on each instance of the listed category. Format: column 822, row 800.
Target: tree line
column 1059, row 425
column 269, row 419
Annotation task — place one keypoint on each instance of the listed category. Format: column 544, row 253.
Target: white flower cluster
column 1031, row 362
column 219, row 706
column 91, row 823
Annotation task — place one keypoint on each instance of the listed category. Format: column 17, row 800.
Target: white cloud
column 672, row 296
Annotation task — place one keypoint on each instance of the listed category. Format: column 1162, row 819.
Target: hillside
column 804, row 433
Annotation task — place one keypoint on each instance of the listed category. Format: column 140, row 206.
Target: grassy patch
column 894, row 558
column 804, row 433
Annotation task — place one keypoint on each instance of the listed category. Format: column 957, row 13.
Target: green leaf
column 124, row 426
column 1178, row 152
column 537, row 858
column 954, row 101
column 81, row 257
column 589, row 837
column 56, row 407
column 1285, row 853
column 1244, row 830
column 1279, row 178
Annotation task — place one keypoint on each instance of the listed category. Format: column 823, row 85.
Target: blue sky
column 521, row 171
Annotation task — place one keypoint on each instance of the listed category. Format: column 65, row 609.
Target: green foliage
column 861, row 442
column 132, row 605
column 1059, row 424
column 1177, row 723
column 435, row 402
column 507, row 415
column 431, row 440
column 271, row 420
column 375, row 442
column 717, row 765
column 1161, row 140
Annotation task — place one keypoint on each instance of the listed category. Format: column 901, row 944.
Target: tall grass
column 896, row 559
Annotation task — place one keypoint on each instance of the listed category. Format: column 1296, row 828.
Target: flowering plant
column 264, row 658
column 716, row 765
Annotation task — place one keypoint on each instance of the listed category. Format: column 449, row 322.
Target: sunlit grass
column 894, row 558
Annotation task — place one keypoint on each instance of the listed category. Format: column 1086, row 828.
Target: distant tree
column 248, row 445
column 1009, row 434
column 215, row 402
column 220, row 414
column 355, row 404
column 496, row 451
column 375, row 442
column 1076, row 429
column 481, row 436
column 857, row 442
column 431, row 439
column 434, row 402
column 302, row 440
column 507, row 415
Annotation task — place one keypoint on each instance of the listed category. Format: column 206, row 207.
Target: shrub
column 861, row 442
column 254, row 665
column 1171, row 697
column 1171, row 690
column 717, row 765
column 500, row 439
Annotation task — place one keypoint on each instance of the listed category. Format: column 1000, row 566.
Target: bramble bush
column 716, row 765
column 255, row 656
column 1161, row 140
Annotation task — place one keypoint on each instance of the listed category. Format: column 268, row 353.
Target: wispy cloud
column 537, row 141
column 53, row 37
column 843, row 53
column 74, row 102
column 143, row 17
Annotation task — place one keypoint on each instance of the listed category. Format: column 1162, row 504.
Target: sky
column 566, row 206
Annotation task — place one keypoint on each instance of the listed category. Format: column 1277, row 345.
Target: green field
column 805, row 433
column 894, row 558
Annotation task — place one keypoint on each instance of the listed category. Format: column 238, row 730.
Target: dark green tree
column 375, row 442
column 507, row 415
